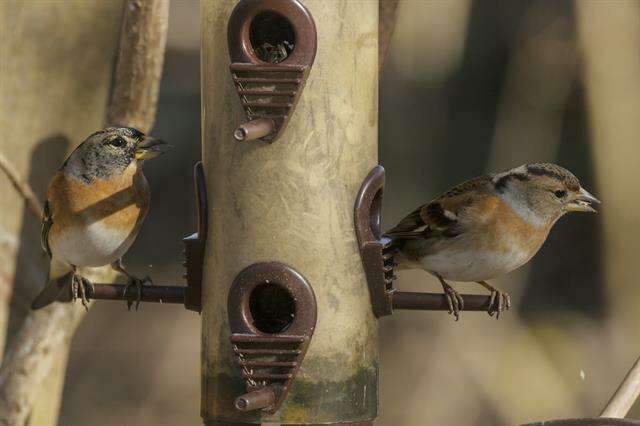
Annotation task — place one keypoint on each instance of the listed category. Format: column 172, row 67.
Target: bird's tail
column 394, row 243
column 58, row 280
column 396, row 240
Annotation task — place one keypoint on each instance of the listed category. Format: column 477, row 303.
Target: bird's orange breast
column 121, row 202
column 506, row 230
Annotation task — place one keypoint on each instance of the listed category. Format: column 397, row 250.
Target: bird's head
column 110, row 151
column 546, row 189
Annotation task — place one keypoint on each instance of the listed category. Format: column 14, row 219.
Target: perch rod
column 436, row 301
column 149, row 293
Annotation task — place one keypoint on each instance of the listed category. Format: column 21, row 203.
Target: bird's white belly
column 92, row 245
column 472, row 265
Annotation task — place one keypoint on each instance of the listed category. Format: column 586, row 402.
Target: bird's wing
column 442, row 215
column 47, row 221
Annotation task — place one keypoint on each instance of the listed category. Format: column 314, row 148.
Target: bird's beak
column 582, row 202
column 151, row 148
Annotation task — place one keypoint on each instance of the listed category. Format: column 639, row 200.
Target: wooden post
column 292, row 202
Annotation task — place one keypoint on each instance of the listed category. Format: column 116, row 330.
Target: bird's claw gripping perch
column 138, row 284
column 499, row 302
column 78, row 287
column 454, row 300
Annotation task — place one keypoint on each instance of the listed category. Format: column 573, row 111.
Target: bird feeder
column 287, row 204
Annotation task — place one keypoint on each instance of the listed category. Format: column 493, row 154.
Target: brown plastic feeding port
column 378, row 268
column 194, row 245
column 272, row 316
column 272, row 45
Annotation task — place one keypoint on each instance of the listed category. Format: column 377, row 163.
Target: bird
column 95, row 205
column 486, row 227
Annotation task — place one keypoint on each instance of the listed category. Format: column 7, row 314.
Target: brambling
column 94, row 208
column 487, row 227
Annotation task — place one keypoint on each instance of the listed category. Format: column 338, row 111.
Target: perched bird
column 95, row 206
column 487, row 227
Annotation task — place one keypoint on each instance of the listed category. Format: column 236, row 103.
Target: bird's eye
column 560, row 193
column 118, row 142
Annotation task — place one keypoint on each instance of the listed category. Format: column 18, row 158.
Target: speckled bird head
column 108, row 152
column 547, row 189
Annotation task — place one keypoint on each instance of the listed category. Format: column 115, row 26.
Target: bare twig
column 21, row 185
column 626, row 395
column 46, row 332
column 142, row 42
column 29, row 361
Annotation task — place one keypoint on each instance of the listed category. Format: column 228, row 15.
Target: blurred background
column 468, row 87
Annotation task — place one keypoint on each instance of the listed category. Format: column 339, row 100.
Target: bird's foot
column 454, row 300
column 79, row 287
column 138, row 284
column 500, row 301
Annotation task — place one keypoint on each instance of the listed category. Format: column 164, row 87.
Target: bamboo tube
column 291, row 201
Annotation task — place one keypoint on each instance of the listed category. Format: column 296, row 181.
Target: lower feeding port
column 272, row 316
column 254, row 129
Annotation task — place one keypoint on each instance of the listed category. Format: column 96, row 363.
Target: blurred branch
column 608, row 36
column 608, row 33
column 626, row 395
column 21, row 185
column 46, row 333
column 387, row 22
column 45, row 411
column 139, row 69
column 31, row 358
